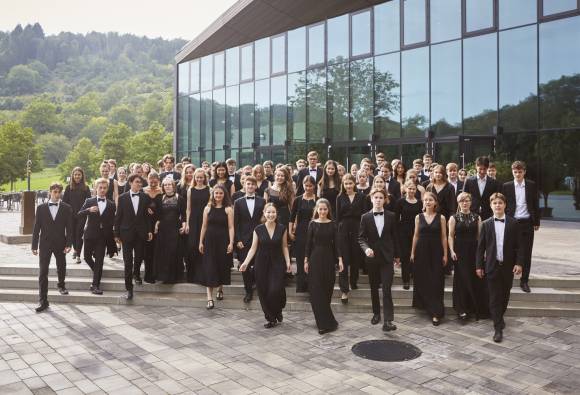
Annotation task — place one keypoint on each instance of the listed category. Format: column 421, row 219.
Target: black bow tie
column 52, row 204
column 312, row 170
column 378, row 213
column 250, row 197
column 500, row 220
column 134, row 194
column 100, row 200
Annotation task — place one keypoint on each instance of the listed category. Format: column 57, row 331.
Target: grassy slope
column 39, row 180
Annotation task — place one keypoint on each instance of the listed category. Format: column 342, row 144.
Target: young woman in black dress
column 75, row 194
column 363, row 185
column 186, row 180
column 197, row 199
column 263, row 183
column 270, row 247
column 400, row 172
column 413, row 176
column 302, row 211
column 281, row 193
column 169, row 226
column 122, row 180
column 154, row 191
column 329, row 184
column 429, row 258
column 221, row 178
column 216, row 243
column 444, row 190
column 322, row 256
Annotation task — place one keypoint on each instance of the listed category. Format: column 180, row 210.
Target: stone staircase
column 556, row 297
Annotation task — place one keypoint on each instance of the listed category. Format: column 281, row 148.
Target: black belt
column 529, row 219
column 499, row 262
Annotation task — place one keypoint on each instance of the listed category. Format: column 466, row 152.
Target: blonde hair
column 434, row 196
column 101, row 180
column 318, row 203
column 267, row 206
column 200, row 171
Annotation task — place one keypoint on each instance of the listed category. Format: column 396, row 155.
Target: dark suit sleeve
column 363, row 235
column 481, row 246
column 69, row 227
column 309, row 239
column 237, row 230
column 36, row 229
column 119, row 218
column 84, row 211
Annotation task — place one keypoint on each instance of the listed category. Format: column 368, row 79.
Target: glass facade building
column 456, row 78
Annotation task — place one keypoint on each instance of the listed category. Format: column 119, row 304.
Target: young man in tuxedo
column 99, row 213
column 523, row 204
column 311, row 170
column 248, row 212
column 233, row 176
column 132, row 228
column 378, row 238
column 418, row 166
column 453, row 179
column 391, row 185
column 481, row 187
column 380, row 161
column 427, row 162
column 499, row 257
column 168, row 168
column 52, row 235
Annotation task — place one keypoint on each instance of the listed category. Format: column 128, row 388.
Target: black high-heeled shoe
column 280, row 317
column 269, row 324
column 220, row 295
column 436, row 321
column 209, row 305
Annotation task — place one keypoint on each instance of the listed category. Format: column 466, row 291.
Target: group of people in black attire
column 190, row 225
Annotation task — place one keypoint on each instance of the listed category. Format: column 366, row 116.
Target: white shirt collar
column 522, row 184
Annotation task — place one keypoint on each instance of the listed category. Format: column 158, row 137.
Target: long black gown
column 281, row 206
column 198, row 201
column 168, row 260
column 76, row 198
column 149, row 254
column 323, row 252
column 262, row 188
column 269, row 270
column 405, row 214
column 428, row 270
column 348, row 216
column 216, row 262
column 469, row 291
column 302, row 210
column 446, row 201
column 330, row 194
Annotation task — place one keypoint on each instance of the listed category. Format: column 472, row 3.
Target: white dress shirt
column 499, row 232
column 379, row 221
column 102, row 205
column 232, row 177
column 251, row 203
column 135, row 201
column 454, row 183
column 313, row 172
column 521, row 205
column 53, row 209
column 481, row 184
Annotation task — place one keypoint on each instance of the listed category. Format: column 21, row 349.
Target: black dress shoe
column 42, row 306
column 498, row 336
column 96, row 291
column 525, row 287
column 270, row 324
column 247, row 299
column 325, row 331
column 376, row 319
column 406, row 286
column 502, row 325
column 138, row 280
column 129, row 295
column 63, row 291
column 389, row 326
column 436, row 322
column 280, row 317
column 354, row 286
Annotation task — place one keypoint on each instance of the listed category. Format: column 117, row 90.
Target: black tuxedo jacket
column 244, row 224
column 386, row 245
column 176, row 176
column 54, row 234
column 480, row 203
column 237, row 181
column 394, row 189
column 127, row 224
column 487, row 249
column 532, row 200
column 460, row 186
column 98, row 225
column 303, row 173
column 423, row 177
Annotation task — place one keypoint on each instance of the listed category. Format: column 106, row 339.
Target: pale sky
column 152, row 18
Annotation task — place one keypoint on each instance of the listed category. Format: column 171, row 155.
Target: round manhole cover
column 386, row 350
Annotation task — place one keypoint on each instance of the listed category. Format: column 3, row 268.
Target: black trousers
column 526, row 233
column 499, row 285
column 381, row 272
column 44, row 261
column 352, row 256
column 94, row 256
column 78, row 230
column 132, row 257
column 248, row 275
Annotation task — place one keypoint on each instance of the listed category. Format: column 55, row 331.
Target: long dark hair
column 325, row 180
column 82, row 184
column 227, row 200
column 217, row 166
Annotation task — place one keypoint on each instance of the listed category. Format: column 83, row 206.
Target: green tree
column 16, row 146
column 41, row 115
column 85, row 155
column 153, row 110
column 22, row 80
column 123, row 114
column 150, row 145
column 115, row 143
column 94, row 129
column 55, row 148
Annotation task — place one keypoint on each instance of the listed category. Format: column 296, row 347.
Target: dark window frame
column 427, row 27
column 559, row 15
column 371, row 12
column 493, row 28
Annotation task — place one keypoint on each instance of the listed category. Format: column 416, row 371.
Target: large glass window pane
column 297, row 50
column 279, row 113
column 338, row 101
column 362, row 105
column 445, row 20
column 478, row 15
column 279, row 54
column 446, row 88
column 412, row 152
column 219, row 155
column 414, row 22
column 218, row 69
column 361, row 33
column 247, row 112
column 262, row 95
column 233, row 116
column 316, row 104
column 560, row 73
column 194, row 76
column 297, row 107
column 206, row 73
column 206, row 127
column 480, row 84
column 219, row 118
column 262, row 58
column 183, row 124
column 551, row 7
column 388, row 95
column 194, row 122
column 415, row 91
column 247, row 63
column 233, row 66
column 516, row 13
column 316, row 44
column 183, row 78
column 337, row 39
column 518, row 81
column 386, row 27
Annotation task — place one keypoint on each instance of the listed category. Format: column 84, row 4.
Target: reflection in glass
column 446, row 153
column 362, row 108
column 412, row 152
column 297, row 106
column 206, row 73
column 262, row 95
column 361, row 33
column 219, row 117
column 279, row 54
column 556, row 6
column 194, row 121
column 278, row 155
column 279, row 113
column 338, row 101
column 316, row 104
column 247, row 110
column 183, row 78
column 219, row 155
column 560, row 73
column 194, row 76
column 218, row 69
column 297, row 50
column 233, row 116
column 262, row 58
column 391, row 151
column 337, row 39
column 388, row 95
column 233, row 66
column 446, row 88
column 246, row 157
column 206, row 127
column 445, row 20
column 386, row 27
column 183, row 124
column 415, row 22
column 518, row 82
column 516, row 13
column 415, row 91
column 480, row 84
column 247, row 62
column 316, row 44
column 478, row 15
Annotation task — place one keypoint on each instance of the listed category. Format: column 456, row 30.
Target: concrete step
column 516, row 308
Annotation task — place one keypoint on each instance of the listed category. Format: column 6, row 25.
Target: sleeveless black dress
column 405, row 214
column 262, row 188
column 168, row 261
column 330, row 194
column 302, row 210
column 428, row 270
column 281, row 206
column 269, row 270
column 198, row 201
column 216, row 261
